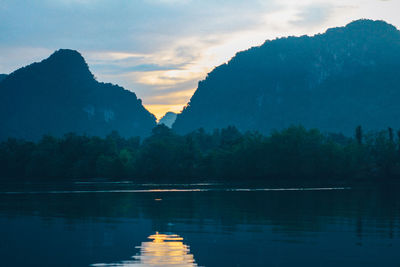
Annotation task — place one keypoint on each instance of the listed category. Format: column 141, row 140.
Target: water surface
column 126, row 224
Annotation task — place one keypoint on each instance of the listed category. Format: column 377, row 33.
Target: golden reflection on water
column 161, row 250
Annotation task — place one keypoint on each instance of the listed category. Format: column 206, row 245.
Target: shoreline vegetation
column 295, row 154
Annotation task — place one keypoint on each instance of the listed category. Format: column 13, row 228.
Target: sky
column 160, row 49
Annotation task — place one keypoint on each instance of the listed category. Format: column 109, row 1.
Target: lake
column 126, row 224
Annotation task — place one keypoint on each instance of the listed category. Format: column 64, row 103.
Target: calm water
column 123, row 224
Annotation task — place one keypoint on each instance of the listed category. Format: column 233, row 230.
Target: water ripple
column 177, row 190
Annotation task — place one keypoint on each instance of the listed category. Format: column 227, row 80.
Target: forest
column 295, row 153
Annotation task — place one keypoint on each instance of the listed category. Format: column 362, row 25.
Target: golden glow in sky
column 160, row 49
column 210, row 50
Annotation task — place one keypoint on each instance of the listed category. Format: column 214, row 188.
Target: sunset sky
column 160, row 49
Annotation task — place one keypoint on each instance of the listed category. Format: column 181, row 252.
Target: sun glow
column 160, row 110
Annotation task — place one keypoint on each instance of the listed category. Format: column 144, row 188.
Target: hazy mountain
column 168, row 119
column 2, row 77
column 60, row 95
column 334, row 81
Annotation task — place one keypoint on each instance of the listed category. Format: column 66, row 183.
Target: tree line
column 224, row 154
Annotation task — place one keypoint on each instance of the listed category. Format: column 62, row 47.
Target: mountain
column 60, row 95
column 2, row 77
column 334, row 81
column 168, row 119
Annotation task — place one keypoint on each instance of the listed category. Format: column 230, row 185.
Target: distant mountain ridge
column 168, row 119
column 334, row 81
column 60, row 95
column 2, row 77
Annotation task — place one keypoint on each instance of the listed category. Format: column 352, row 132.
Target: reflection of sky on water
column 163, row 190
column 162, row 250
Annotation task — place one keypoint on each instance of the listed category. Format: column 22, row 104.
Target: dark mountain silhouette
column 2, row 77
column 334, row 81
column 60, row 95
column 168, row 119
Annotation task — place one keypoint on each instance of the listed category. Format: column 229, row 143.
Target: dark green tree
column 359, row 134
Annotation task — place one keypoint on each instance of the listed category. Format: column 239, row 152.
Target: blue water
column 125, row 224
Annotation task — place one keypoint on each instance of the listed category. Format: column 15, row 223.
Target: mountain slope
column 2, row 77
column 168, row 119
column 334, row 81
column 60, row 95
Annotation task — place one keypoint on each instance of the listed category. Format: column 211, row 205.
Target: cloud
column 118, row 69
column 119, row 24
column 313, row 15
column 160, row 49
